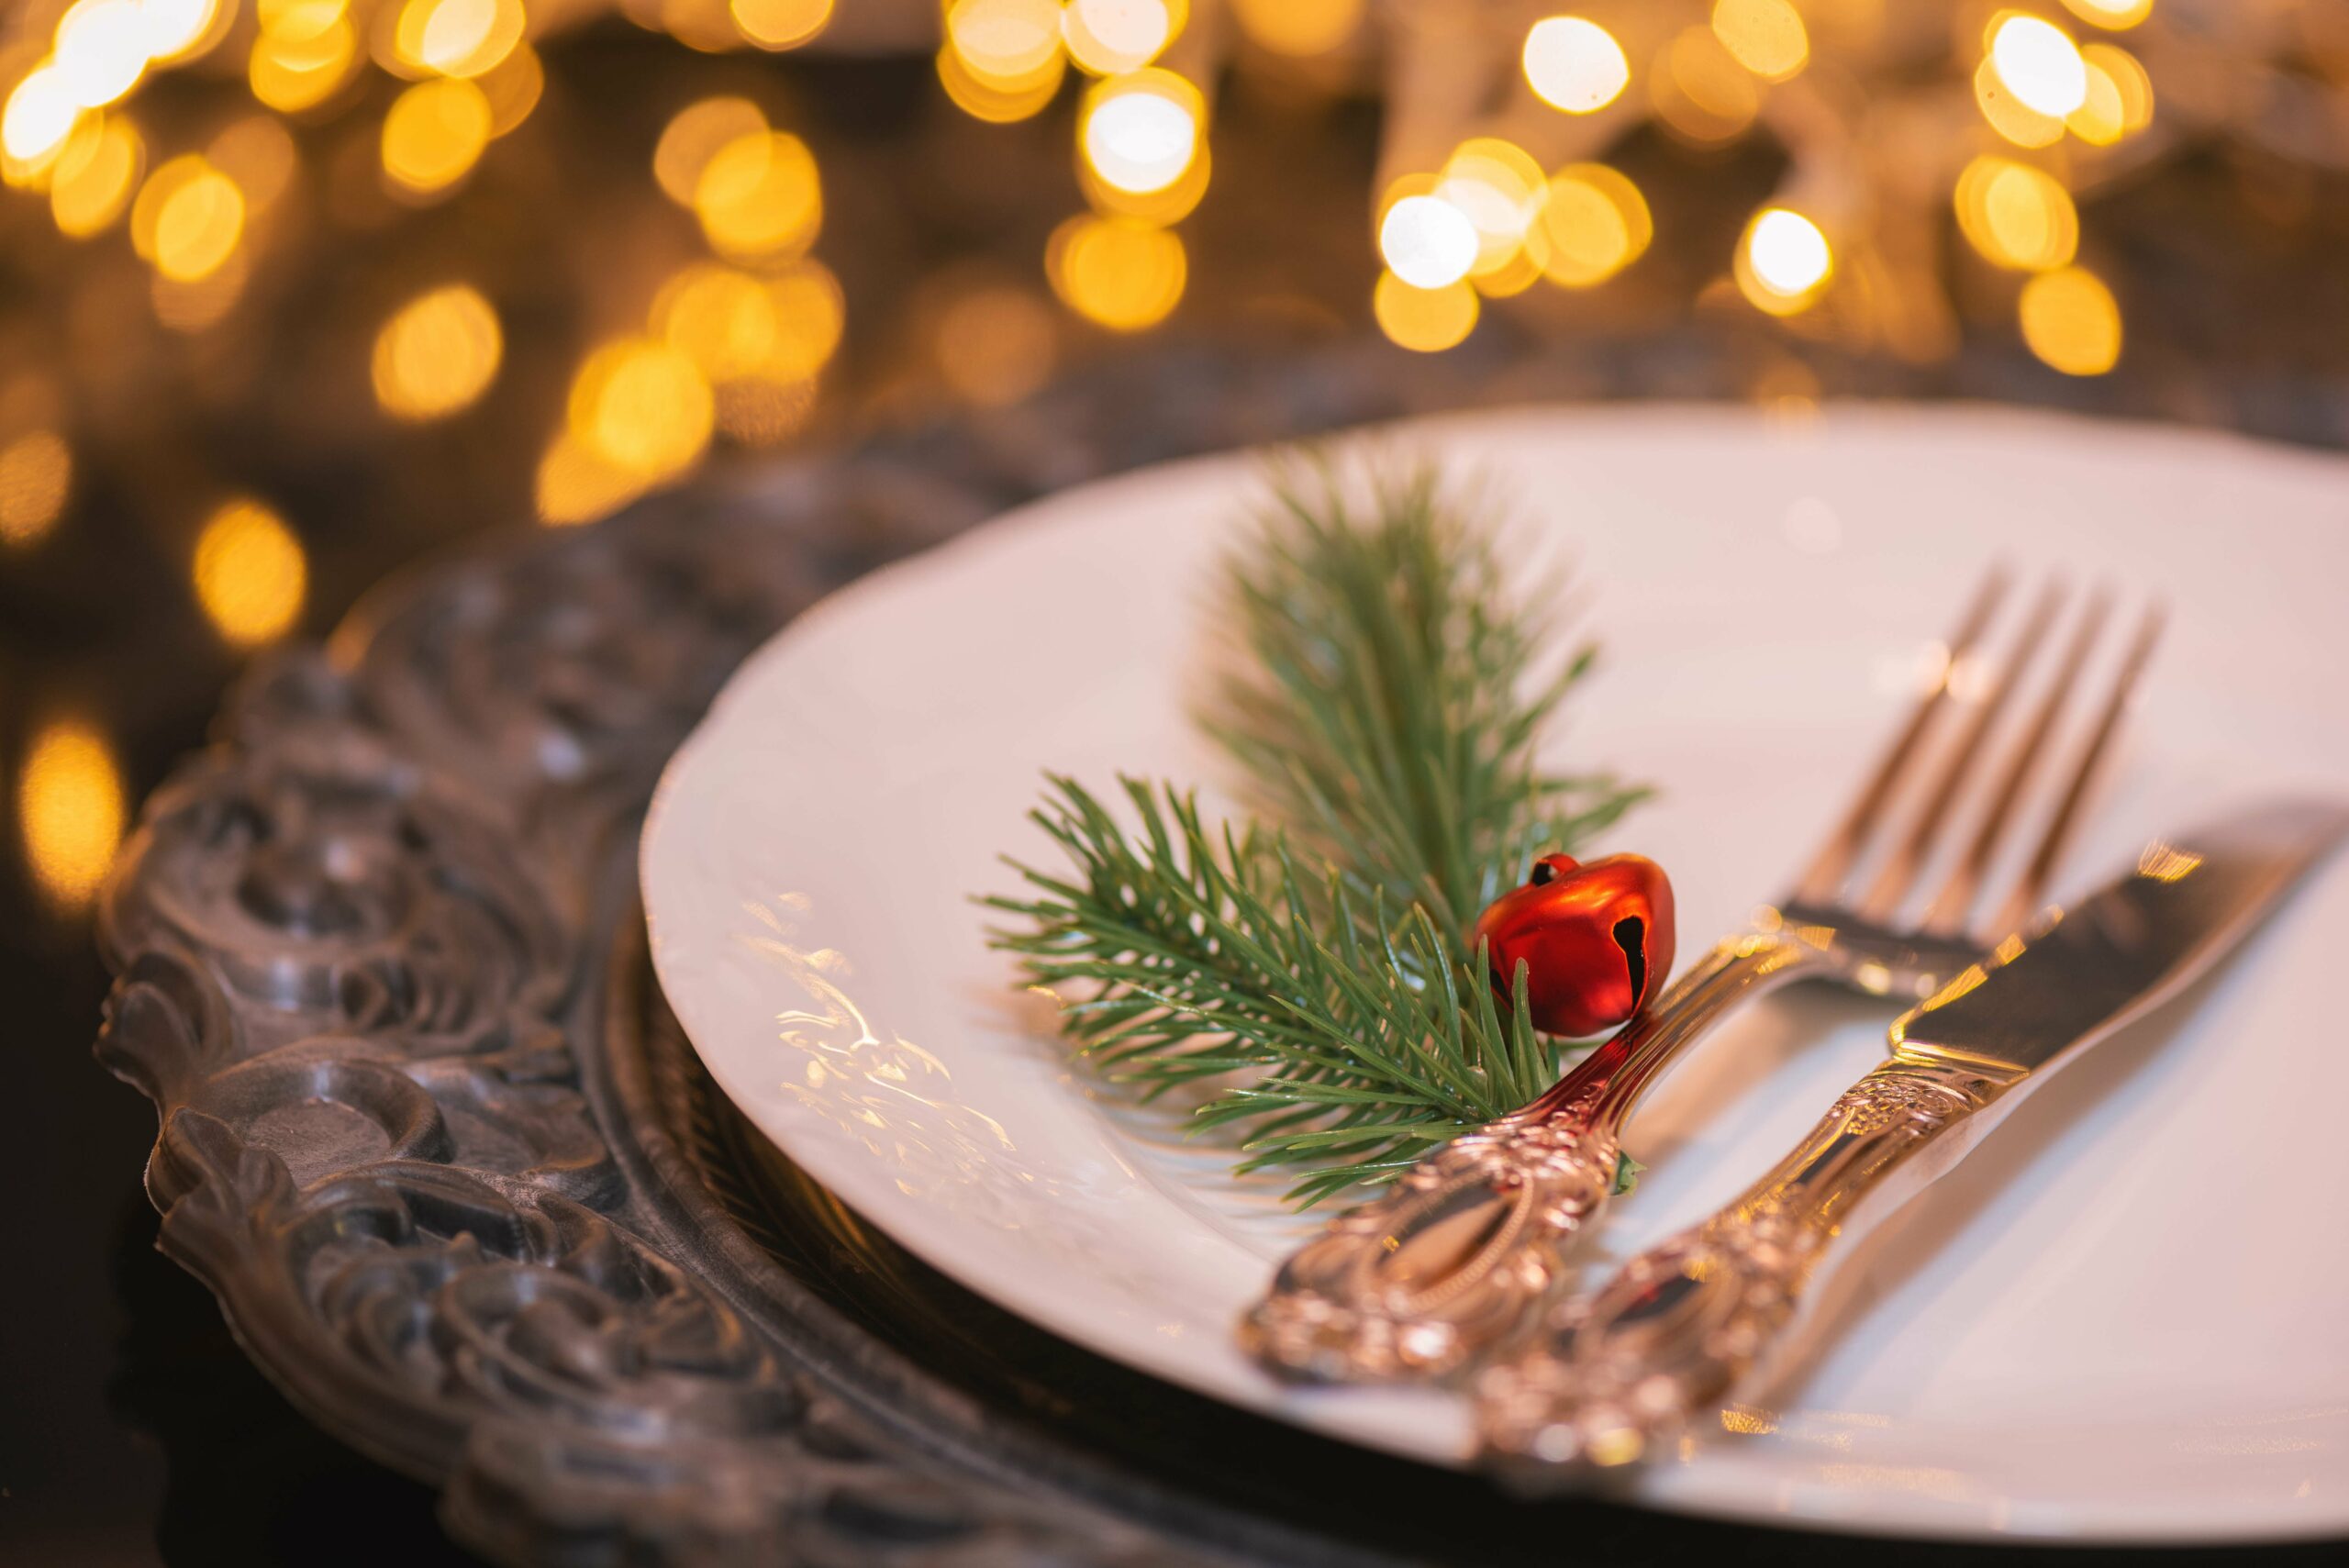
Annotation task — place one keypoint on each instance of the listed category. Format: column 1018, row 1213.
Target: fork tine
column 2033, row 887
column 1818, row 884
column 1893, row 883
column 1947, row 915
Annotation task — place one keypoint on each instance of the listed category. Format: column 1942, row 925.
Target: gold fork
column 1450, row 1260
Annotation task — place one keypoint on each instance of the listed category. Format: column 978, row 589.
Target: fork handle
column 1688, row 1323
column 1450, row 1260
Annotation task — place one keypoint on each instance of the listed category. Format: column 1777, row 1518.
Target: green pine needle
column 1387, row 717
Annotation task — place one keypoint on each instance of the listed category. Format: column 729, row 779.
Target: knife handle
column 1451, row 1260
column 1616, row 1374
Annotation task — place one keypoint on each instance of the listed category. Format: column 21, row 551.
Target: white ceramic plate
column 2120, row 1319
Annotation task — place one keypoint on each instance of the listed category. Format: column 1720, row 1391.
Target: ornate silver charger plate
column 430, row 1135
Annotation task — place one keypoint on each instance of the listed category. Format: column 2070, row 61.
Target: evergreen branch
column 1390, row 705
column 1387, row 719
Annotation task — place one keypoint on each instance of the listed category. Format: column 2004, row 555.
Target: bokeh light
column 92, row 180
column 693, row 137
column 434, row 133
column 2016, row 216
column 1766, row 37
column 1109, row 37
column 1593, row 224
column 2071, row 321
column 2040, row 64
column 780, row 24
column 1427, row 241
column 1574, row 65
column 100, row 51
column 2113, row 14
column 1700, row 92
column 41, row 112
column 188, row 218
column 1141, row 132
column 642, row 406
column 302, row 56
column 1784, row 261
column 1120, row 272
column 457, row 37
column 1499, row 187
column 760, row 198
column 36, row 477
column 258, row 153
column 1004, row 43
column 1426, row 321
column 437, row 353
column 576, row 486
column 2009, row 116
column 1298, row 28
column 70, row 806
column 996, row 344
column 2120, row 101
column 249, row 573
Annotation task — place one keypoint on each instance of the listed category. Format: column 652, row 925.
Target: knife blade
column 1720, row 1307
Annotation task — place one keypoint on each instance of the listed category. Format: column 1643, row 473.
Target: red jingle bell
column 1596, row 941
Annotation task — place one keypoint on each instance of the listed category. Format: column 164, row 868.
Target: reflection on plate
column 2119, row 1321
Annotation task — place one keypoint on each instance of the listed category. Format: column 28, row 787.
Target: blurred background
column 292, row 292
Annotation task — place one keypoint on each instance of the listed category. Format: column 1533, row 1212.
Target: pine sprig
column 1394, row 689
column 1386, row 710
column 1181, row 954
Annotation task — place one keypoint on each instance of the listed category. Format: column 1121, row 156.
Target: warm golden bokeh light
column 70, row 808
column 780, row 24
column 2016, row 216
column 1574, row 65
column 191, row 305
column 763, row 411
column 1424, row 320
column 1499, row 187
column 2009, row 116
column 2038, row 63
column 2113, row 14
column 810, row 315
column 456, row 38
column 1784, row 261
column 996, row 344
column 258, row 153
column 2120, row 97
column 1109, row 37
column 576, row 485
column 1141, row 132
column 1700, row 90
column 295, row 67
column 1427, row 241
column 188, row 218
column 2071, row 321
column 1004, row 42
column 1298, row 28
column 175, row 28
column 437, row 353
column 693, row 137
column 642, row 406
column 718, row 316
column 1766, row 36
column 1120, row 272
column 100, row 51
column 92, row 180
column 758, row 197
column 36, row 476
column 999, row 100
column 434, row 133
column 249, row 573
column 39, row 116
column 1593, row 223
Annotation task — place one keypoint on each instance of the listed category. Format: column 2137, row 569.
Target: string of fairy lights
column 1500, row 181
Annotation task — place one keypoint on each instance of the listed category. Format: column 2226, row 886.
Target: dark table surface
column 132, row 1426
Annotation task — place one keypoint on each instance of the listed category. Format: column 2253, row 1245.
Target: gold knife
column 1683, row 1327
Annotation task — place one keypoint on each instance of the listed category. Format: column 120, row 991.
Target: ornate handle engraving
column 1672, row 1334
column 1436, row 1272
